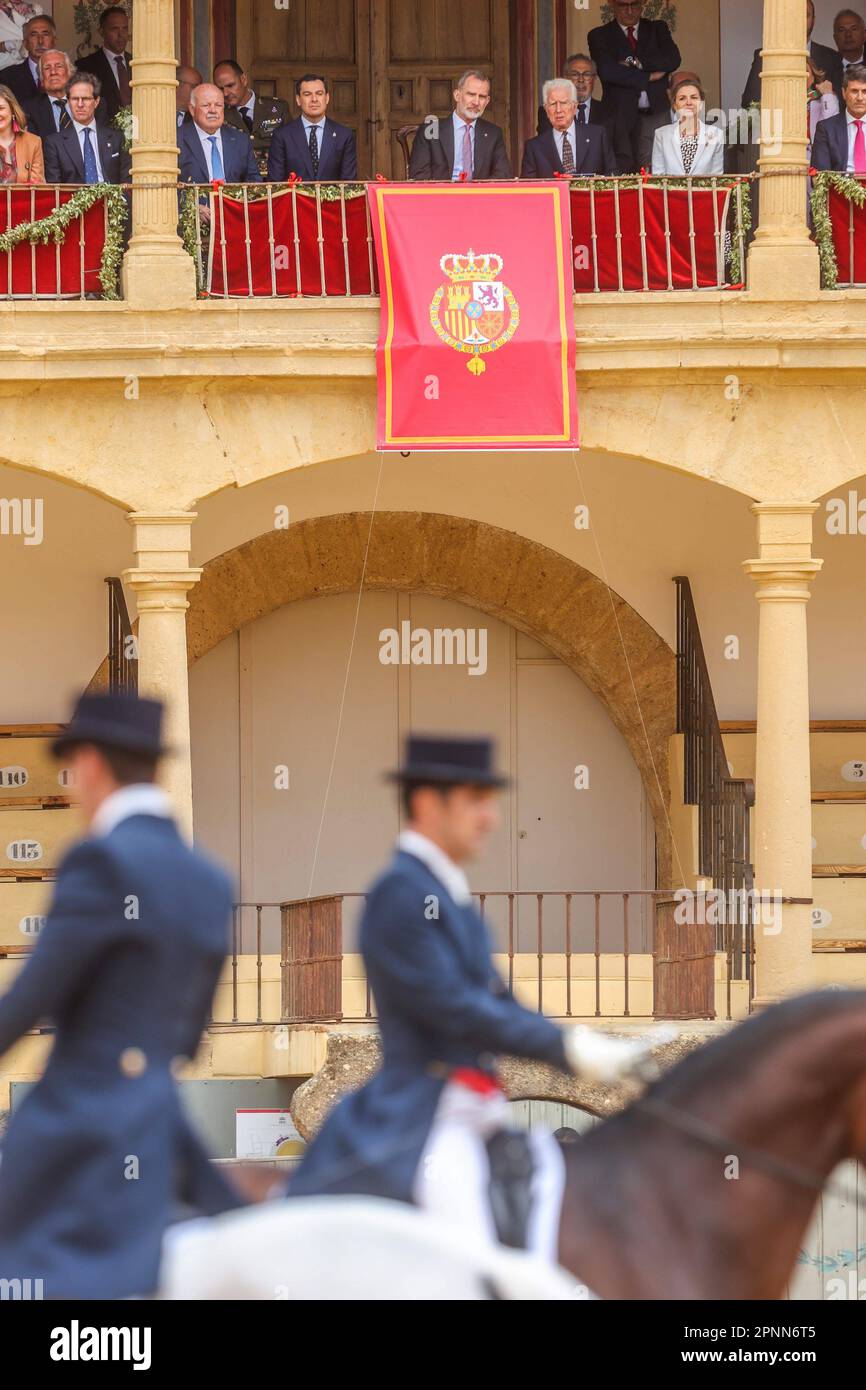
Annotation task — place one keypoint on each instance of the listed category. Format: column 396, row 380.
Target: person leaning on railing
column 20, row 153
column 688, row 146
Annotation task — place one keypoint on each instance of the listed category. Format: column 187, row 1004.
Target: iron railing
column 574, row 950
column 122, row 652
column 724, row 802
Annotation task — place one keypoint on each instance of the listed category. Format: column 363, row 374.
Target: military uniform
column 268, row 114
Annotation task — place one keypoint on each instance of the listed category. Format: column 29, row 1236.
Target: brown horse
column 705, row 1186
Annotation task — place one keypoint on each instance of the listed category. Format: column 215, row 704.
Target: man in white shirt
column 464, row 147
column 635, row 57
column 84, row 151
column 259, row 116
column 571, row 147
column 425, row 1129
column 22, row 79
column 312, row 146
column 111, row 62
column 849, row 33
column 13, row 17
column 187, row 79
column 211, row 151
column 840, row 141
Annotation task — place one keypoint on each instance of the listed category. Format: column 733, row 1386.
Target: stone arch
column 594, row 631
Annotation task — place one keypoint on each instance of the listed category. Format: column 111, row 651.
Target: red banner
column 290, row 244
column 52, row 270
column 848, row 223
column 476, row 339
column 646, row 238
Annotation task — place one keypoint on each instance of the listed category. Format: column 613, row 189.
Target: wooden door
column 332, row 37
column 419, row 48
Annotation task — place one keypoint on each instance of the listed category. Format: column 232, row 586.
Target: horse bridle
column 705, row 1134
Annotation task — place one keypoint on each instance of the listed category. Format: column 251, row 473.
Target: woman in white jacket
column 688, row 145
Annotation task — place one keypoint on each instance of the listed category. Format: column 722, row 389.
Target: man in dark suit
column 187, row 80
column 245, row 110
column 84, row 151
column 634, row 57
column 125, row 967
column 840, row 141
column 444, row 1012
column 312, row 146
column 825, row 59
column 48, row 112
column 582, row 71
column 571, row 146
column 462, row 146
column 22, row 79
column 110, row 63
column 209, row 149
column 849, row 35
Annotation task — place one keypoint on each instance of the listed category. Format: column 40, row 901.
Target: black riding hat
column 461, row 761
column 114, row 721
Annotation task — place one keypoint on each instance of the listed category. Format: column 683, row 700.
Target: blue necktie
column 91, row 173
column 216, row 164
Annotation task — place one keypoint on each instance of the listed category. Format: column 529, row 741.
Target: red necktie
column 859, row 149
column 632, row 41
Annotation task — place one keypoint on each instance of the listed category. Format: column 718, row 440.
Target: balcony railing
column 291, row 240
column 570, row 954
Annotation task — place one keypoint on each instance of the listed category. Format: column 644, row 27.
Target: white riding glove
column 596, row 1056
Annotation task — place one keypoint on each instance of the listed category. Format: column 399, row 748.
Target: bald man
column 210, row 150
column 187, row 79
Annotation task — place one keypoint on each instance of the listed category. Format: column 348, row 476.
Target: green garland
column 54, row 226
column 851, row 189
column 188, row 233
column 742, row 210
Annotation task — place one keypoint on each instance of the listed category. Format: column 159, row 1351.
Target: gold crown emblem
column 467, row 266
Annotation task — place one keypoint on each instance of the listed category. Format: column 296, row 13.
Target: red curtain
column 291, row 259
column 849, row 238
column 33, row 269
column 681, row 244
column 668, row 223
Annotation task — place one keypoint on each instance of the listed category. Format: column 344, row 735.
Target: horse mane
column 728, row 1057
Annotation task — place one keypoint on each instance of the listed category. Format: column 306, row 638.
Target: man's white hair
column 555, row 82
column 54, row 53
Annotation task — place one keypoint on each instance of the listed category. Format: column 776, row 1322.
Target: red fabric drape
column 34, row 268
column 691, row 236
column 599, row 210
column 848, row 223
column 300, row 266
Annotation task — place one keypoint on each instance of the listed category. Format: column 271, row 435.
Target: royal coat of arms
column 472, row 311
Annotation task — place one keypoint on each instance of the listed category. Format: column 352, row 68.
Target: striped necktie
column 63, row 118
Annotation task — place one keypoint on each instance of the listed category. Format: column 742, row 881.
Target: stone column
column 157, row 272
column 783, row 811
column 782, row 259
column 161, row 580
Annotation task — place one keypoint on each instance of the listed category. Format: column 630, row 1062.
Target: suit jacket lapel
column 582, row 140
column 70, row 136
column 326, row 149
column 481, row 159
column 842, row 129
column 446, row 140
column 189, row 134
